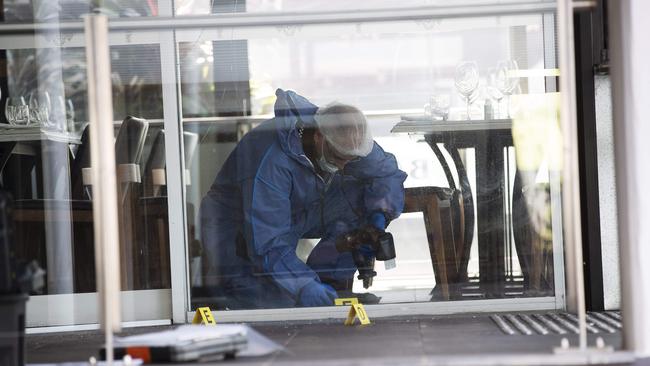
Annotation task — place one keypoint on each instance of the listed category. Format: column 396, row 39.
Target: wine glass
column 493, row 91
column 62, row 114
column 40, row 106
column 466, row 80
column 17, row 111
column 438, row 106
column 69, row 115
column 507, row 80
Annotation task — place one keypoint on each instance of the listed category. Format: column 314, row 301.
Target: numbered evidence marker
column 346, row 301
column 203, row 316
column 356, row 311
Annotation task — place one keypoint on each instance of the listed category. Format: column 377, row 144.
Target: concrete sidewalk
column 466, row 339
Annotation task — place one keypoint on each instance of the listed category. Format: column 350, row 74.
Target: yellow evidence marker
column 357, row 311
column 346, row 301
column 203, row 316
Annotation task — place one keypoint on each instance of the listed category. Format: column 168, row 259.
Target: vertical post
column 572, row 222
column 174, row 154
column 629, row 28
column 102, row 155
column 176, row 191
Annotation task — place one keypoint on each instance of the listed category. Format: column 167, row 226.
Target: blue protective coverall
column 268, row 195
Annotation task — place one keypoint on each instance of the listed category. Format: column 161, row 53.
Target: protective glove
column 378, row 220
column 317, row 294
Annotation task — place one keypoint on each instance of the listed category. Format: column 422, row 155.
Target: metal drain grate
column 556, row 323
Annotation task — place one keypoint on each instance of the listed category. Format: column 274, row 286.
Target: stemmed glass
column 466, row 80
column 506, row 80
column 17, row 111
column 69, row 115
column 493, row 91
column 62, row 114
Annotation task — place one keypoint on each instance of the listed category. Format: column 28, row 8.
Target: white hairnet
column 345, row 128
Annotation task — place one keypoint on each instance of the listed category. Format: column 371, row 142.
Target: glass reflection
column 16, row 11
column 46, row 167
column 460, row 236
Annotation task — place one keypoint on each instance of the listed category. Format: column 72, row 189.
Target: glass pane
column 46, row 168
column 456, row 108
column 22, row 11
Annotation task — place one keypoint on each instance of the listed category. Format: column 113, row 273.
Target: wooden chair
column 154, row 215
column 534, row 249
column 445, row 231
column 153, row 206
column 129, row 144
column 31, row 215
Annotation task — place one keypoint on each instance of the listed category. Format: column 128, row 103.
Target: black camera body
column 381, row 243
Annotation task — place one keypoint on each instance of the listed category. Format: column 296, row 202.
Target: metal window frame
column 177, row 195
column 233, row 20
column 388, row 310
column 544, row 303
column 588, row 156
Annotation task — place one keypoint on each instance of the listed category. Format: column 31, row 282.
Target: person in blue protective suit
column 308, row 172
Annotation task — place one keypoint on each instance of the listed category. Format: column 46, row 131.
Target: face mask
column 325, row 165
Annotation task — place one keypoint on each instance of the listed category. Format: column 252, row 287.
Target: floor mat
column 557, row 323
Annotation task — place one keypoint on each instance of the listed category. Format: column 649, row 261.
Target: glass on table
column 69, row 116
column 62, row 114
column 74, row 126
column 40, row 106
column 507, row 80
column 493, row 91
column 438, row 107
column 17, row 111
column 466, row 80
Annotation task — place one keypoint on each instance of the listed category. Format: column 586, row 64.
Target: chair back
column 190, row 142
column 129, row 142
column 81, row 160
column 155, row 166
column 156, row 158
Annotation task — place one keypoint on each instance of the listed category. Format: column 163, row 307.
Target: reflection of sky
column 375, row 66
column 416, row 159
column 388, row 70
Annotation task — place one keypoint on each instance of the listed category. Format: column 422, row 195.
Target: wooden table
column 49, row 154
column 488, row 138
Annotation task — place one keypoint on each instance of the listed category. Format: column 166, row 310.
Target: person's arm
column 383, row 184
column 267, row 227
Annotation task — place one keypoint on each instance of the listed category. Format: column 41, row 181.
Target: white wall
column 629, row 29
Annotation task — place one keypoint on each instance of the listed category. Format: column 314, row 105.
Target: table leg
column 58, row 220
column 6, row 148
column 16, row 169
column 490, row 211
